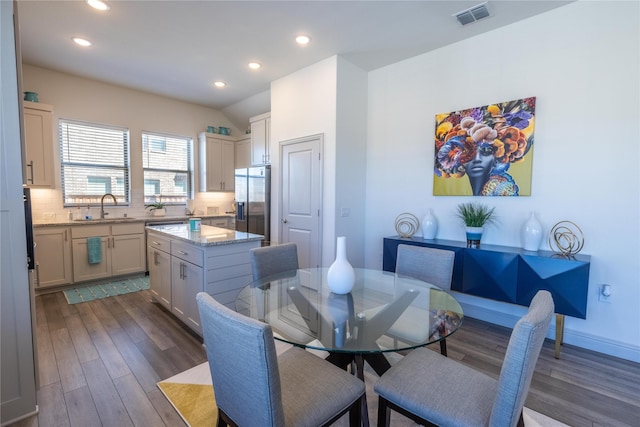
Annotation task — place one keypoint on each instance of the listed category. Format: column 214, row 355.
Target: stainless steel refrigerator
column 253, row 201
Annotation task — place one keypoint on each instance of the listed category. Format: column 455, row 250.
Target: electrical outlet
column 604, row 294
column 345, row 212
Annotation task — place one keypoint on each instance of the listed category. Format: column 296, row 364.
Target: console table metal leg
column 559, row 334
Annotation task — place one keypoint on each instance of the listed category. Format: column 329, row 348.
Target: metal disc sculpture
column 407, row 224
column 566, row 238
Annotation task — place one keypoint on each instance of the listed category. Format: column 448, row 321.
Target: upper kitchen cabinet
column 217, row 162
column 260, row 139
column 38, row 129
column 243, row 152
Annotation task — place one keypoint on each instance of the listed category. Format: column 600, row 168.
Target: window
column 95, row 160
column 168, row 168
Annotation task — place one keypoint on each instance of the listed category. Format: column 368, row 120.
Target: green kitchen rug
column 104, row 290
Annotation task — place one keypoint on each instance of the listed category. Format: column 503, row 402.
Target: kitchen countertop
column 145, row 219
column 207, row 236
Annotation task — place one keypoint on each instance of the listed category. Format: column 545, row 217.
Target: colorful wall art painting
column 485, row 151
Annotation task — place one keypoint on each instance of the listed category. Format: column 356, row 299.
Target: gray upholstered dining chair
column 270, row 260
column 435, row 390
column 255, row 387
column 431, row 265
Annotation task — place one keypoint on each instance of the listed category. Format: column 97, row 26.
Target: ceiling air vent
column 472, row 14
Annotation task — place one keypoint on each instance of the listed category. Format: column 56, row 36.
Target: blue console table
column 510, row 275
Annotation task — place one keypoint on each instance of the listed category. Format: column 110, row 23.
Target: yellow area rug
column 191, row 394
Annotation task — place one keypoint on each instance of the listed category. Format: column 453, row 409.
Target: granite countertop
column 145, row 219
column 207, row 236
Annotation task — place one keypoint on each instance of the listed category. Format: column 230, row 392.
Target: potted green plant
column 475, row 216
column 156, row 208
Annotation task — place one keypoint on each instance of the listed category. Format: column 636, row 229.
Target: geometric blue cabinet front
column 509, row 274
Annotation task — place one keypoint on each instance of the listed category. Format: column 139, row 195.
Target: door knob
column 284, row 221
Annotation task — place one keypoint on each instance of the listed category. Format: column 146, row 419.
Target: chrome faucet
column 102, row 212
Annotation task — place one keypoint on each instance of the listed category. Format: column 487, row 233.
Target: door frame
column 282, row 144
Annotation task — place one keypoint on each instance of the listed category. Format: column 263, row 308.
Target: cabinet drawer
column 188, row 253
column 90, row 231
column 159, row 242
column 120, row 229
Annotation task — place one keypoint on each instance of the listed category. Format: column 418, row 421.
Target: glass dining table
column 384, row 312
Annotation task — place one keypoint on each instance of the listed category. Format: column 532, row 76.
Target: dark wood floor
column 100, row 362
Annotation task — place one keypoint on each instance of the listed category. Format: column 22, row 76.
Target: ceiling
column 179, row 48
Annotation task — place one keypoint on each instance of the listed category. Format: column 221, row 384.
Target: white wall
column 328, row 98
column 78, row 98
column 303, row 104
column 581, row 61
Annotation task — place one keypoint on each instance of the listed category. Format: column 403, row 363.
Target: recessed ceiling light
column 219, row 83
column 97, row 4
column 303, row 40
column 254, row 65
column 82, row 42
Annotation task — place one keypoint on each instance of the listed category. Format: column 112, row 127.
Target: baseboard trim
column 571, row 337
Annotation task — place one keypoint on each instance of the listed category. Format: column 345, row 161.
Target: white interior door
column 301, row 192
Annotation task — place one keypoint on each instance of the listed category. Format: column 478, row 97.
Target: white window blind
column 168, row 168
column 94, row 160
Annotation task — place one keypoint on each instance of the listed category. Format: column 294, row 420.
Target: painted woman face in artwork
column 482, row 143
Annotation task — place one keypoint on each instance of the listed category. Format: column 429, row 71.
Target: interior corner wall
column 581, row 61
column 351, row 145
column 302, row 104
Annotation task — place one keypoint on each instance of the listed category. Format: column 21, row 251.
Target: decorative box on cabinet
column 511, row 275
column 38, row 129
column 260, row 139
column 217, row 162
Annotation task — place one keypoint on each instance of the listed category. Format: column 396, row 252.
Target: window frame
column 69, row 149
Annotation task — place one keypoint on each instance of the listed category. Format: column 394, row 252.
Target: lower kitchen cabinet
column 159, row 261
column 123, row 251
column 186, row 282
column 220, row 270
column 53, row 256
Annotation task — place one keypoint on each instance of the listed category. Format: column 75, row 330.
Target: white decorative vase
column 341, row 277
column 429, row 226
column 532, row 233
column 159, row 212
column 474, row 234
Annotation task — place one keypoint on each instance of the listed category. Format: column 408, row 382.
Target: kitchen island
column 184, row 262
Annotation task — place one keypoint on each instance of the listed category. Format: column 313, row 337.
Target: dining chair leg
column 355, row 413
column 384, row 413
column 443, row 347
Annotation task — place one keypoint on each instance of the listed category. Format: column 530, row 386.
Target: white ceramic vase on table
column 531, row 233
column 429, row 226
column 341, row 277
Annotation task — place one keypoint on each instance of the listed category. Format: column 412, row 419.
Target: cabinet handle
column 30, row 165
column 156, row 243
column 184, row 272
column 65, row 235
column 37, row 274
column 182, row 253
column 155, row 258
column 113, row 242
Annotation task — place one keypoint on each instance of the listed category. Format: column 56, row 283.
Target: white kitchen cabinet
column 243, row 152
column 159, row 261
column 187, row 279
column 227, row 222
column 53, row 256
column 217, row 163
column 38, row 129
column 123, row 251
column 260, row 139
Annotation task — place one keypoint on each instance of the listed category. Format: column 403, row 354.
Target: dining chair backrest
column 245, row 369
column 270, row 260
column 431, row 265
column 520, row 360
